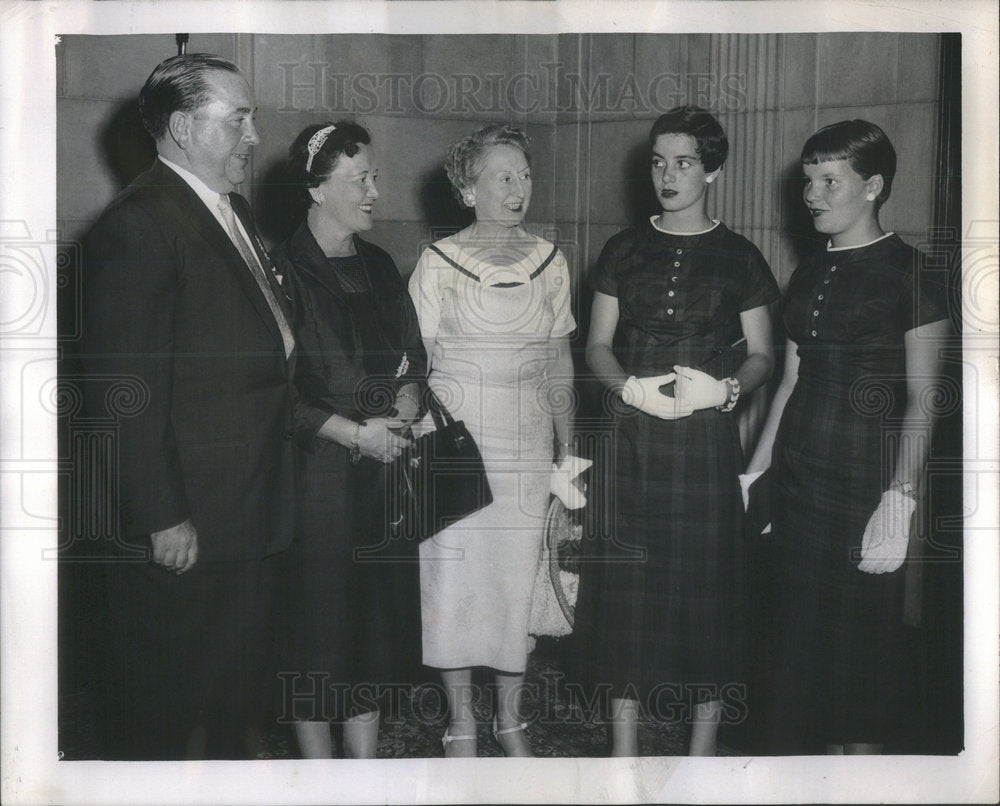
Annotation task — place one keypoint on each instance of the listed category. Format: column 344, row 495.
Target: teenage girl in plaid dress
column 849, row 425
column 659, row 610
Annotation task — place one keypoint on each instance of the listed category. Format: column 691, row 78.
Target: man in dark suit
column 181, row 299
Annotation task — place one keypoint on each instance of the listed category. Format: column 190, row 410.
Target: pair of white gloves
column 693, row 390
column 887, row 534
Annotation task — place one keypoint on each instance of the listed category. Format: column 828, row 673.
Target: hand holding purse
column 438, row 480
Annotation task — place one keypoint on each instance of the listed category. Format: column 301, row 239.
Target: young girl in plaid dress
column 846, row 440
column 658, row 608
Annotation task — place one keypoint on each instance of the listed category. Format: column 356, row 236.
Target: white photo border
column 31, row 771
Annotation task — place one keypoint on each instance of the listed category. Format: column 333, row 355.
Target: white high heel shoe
column 448, row 739
column 497, row 732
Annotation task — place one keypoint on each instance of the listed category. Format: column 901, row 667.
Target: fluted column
column 748, row 194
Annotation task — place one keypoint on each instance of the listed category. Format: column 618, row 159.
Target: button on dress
column 658, row 603
column 834, row 454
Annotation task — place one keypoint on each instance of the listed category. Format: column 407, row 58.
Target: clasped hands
column 693, row 390
column 382, row 438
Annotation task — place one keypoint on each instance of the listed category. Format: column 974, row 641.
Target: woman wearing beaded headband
column 494, row 308
column 864, row 322
column 354, row 600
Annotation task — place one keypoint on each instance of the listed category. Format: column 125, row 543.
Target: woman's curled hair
column 465, row 155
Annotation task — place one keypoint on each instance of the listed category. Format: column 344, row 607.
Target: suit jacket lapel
column 193, row 217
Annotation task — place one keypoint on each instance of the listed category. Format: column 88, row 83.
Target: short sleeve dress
column 657, row 603
column 848, row 311
column 491, row 321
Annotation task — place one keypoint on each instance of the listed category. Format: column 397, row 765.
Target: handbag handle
column 439, row 412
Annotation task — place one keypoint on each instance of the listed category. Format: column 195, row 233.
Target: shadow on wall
column 798, row 226
column 124, row 144
column 640, row 198
column 277, row 203
column 438, row 206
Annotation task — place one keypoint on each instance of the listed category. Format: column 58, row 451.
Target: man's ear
column 179, row 128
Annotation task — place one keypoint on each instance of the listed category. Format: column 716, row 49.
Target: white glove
column 699, row 390
column 561, row 482
column 746, row 480
column 883, row 547
column 645, row 395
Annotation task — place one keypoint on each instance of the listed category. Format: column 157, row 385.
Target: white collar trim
column 658, row 228
column 831, row 248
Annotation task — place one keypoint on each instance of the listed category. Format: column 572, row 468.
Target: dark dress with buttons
column 658, row 600
column 834, row 455
column 353, row 592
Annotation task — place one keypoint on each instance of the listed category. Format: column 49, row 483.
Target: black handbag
column 438, row 480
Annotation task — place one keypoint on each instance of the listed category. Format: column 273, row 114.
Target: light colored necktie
column 257, row 271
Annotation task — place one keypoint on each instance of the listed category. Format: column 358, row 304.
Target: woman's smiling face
column 348, row 194
column 502, row 190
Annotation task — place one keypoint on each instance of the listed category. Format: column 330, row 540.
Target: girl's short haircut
column 864, row 145
column 701, row 125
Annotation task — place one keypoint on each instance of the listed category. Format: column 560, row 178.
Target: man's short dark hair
column 178, row 84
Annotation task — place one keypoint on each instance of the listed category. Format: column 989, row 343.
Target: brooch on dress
column 404, row 365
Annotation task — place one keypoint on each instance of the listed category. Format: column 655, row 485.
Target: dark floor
column 561, row 730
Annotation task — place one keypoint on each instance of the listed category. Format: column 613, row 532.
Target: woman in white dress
column 494, row 307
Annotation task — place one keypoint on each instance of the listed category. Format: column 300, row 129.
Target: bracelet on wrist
column 355, row 450
column 904, row 488
column 733, row 385
column 409, row 397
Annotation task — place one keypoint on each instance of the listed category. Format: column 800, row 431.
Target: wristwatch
column 904, row 488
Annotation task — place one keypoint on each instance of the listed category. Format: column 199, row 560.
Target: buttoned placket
column 820, row 297
column 674, row 277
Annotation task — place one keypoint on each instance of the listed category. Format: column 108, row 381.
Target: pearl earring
column 870, row 197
